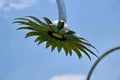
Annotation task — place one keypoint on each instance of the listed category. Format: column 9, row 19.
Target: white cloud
column 23, row 4
column 1, row 3
column 7, row 5
column 69, row 77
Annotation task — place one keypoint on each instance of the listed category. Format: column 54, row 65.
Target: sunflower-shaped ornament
column 56, row 34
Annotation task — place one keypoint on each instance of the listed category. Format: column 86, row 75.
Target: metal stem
column 99, row 59
column 62, row 10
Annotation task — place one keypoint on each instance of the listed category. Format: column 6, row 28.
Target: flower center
column 57, row 36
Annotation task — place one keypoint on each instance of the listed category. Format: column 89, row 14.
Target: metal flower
column 55, row 35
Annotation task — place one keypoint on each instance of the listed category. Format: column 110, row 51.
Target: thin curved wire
column 99, row 59
column 62, row 10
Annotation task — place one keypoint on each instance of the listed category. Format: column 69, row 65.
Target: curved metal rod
column 62, row 10
column 99, row 59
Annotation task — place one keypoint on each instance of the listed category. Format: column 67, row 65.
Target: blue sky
column 21, row 59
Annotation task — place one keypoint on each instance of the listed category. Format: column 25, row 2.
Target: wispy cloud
column 52, row 1
column 7, row 5
column 69, row 77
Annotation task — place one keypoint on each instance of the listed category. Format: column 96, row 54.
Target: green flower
column 55, row 36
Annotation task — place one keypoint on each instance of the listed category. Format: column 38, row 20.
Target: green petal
column 48, row 44
column 75, row 48
column 67, row 47
column 63, row 32
column 86, row 53
column 70, row 32
column 48, row 21
column 26, row 27
column 53, row 47
column 59, row 46
column 40, row 40
column 32, row 34
column 53, row 44
column 77, row 52
column 88, row 44
column 38, row 21
column 37, row 39
column 24, row 21
column 89, row 50
column 60, row 25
